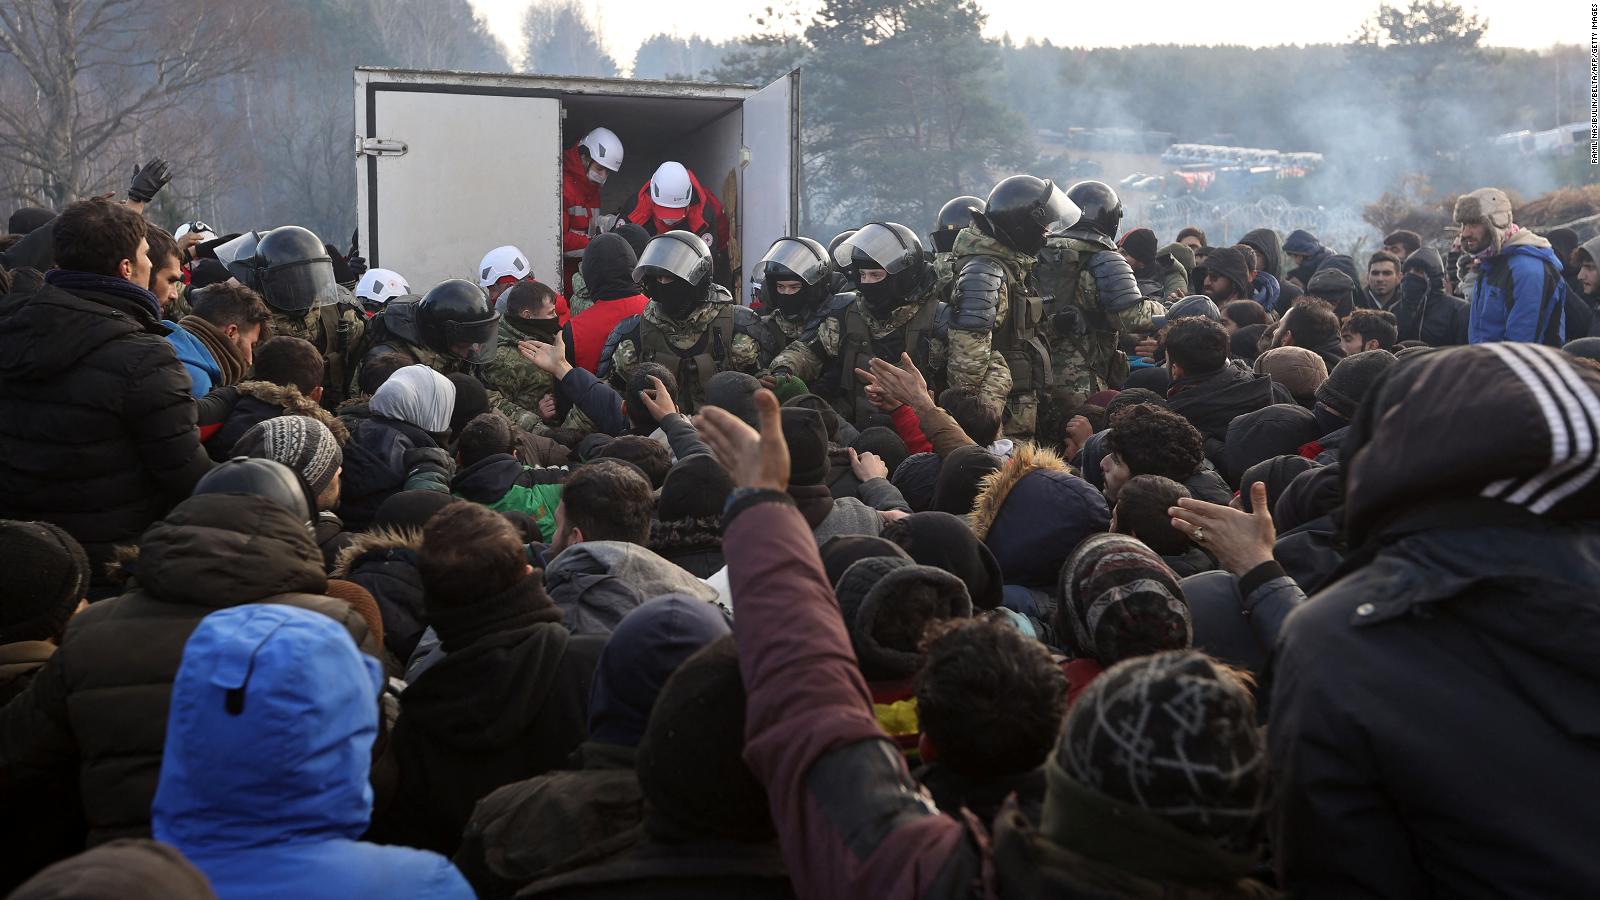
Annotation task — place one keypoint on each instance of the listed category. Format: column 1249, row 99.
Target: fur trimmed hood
column 294, row 403
column 376, row 541
column 1025, row 459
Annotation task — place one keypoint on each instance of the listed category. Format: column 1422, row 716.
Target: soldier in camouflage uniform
column 691, row 325
column 895, row 308
column 516, row 385
column 997, row 345
column 291, row 270
column 1092, row 297
column 797, row 280
column 450, row 329
column 953, row 217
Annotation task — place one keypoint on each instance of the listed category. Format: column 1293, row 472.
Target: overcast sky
column 624, row 24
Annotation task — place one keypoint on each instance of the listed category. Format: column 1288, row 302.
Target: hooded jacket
column 580, row 205
column 1270, row 431
column 1031, row 515
column 100, row 704
column 97, row 425
column 264, row 786
column 1468, row 599
column 608, row 267
column 378, row 461
column 1301, row 242
column 1435, row 318
column 502, row 483
column 384, row 562
column 596, row 583
column 1266, row 242
column 1509, row 300
column 259, row 401
column 510, row 700
column 1212, row 401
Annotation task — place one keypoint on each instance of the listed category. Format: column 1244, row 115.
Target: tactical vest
column 1077, row 324
column 1021, row 339
column 696, row 365
column 857, row 349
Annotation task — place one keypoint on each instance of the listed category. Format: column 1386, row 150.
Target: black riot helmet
column 953, row 216
column 261, row 478
column 896, row 250
column 838, row 239
column 796, row 259
column 454, row 317
column 685, row 261
column 1102, row 209
column 1022, row 209
column 288, row 266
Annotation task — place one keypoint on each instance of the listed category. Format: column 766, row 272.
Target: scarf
column 230, row 362
column 115, row 285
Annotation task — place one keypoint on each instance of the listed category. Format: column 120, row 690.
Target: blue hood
column 1301, row 242
column 196, row 358
column 291, row 765
column 1542, row 253
column 648, row 645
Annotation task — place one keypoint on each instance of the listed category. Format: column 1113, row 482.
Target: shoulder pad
column 941, row 320
column 627, row 328
column 1114, row 277
column 833, row 308
column 976, row 295
column 747, row 321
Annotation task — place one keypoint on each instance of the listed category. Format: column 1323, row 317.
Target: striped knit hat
column 299, row 442
column 1117, row 600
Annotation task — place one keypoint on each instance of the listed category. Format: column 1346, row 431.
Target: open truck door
column 452, row 164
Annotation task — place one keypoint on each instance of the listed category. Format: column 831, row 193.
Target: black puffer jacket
column 99, row 707
column 1211, row 402
column 384, row 561
column 1435, row 318
column 97, row 425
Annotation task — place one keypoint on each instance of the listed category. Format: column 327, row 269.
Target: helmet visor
column 879, row 243
column 474, row 342
column 671, row 256
column 797, row 258
column 241, row 247
column 1057, row 213
column 300, row 286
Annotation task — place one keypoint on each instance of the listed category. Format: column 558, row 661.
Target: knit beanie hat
column 1300, row 370
column 1140, row 243
column 1194, row 305
column 362, row 602
column 917, row 479
column 410, row 509
column 1350, row 380
column 691, row 762
column 1487, row 204
column 946, row 542
column 302, row 443
column 830, row 416
column 1229, row 262
column 47, row 574
column 647, row 646
column 808, row 445
column 696, row 487
column 961, row 479
column 1168, row 737
column 842, row 551
column 885, row 443
column 1118, row 599
column 735, row 393
column 887, row 603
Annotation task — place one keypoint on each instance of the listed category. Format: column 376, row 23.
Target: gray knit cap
column 299, row 442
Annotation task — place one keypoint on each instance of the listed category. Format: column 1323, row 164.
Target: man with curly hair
column 1147, row 440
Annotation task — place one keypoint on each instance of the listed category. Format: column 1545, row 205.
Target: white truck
column 450, row 165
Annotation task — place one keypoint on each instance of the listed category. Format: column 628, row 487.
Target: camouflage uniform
column 996, row 342
column 827, row 362
column 717, row 336
column 339, row 350
column 516, row 386
column 782, row 329
column 1088, row 303
column 580, row 299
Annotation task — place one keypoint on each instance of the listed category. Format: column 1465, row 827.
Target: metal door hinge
column 366, row 146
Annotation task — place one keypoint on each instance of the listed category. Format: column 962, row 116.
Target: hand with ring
column 1239, row 540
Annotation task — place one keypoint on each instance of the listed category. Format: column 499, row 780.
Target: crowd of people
column 1036, row 558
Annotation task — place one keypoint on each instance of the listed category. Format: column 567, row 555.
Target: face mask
column 677, row 298
column 544, row 330
column 1413, row 287
column 881, row 296
column 598, row 175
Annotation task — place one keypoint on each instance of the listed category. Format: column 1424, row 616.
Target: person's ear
column 574, row 535
column 125, row 268
column 230, row 331
column 1370, row 345
column 316, row 394
column 1175, row 371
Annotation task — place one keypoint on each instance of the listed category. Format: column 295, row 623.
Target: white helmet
column 381, row 285
column 670, row 186
column 604, row 148
column 501, row 262
column 205, row 231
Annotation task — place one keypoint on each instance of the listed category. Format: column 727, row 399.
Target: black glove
column 149, row 180
column 357, row 262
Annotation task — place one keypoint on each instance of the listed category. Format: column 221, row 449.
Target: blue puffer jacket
column 197, row 360
column 264, row 779
column 1523, row 258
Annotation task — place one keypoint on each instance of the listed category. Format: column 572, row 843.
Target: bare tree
column 435, row 34
column 82, row 74
column 561, row 41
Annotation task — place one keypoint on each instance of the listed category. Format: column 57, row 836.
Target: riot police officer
column 691, row 324
column 796, row 280
column 895, row 308
column 1092, row 296
column 953, row 217
column 997, row 344
column 841, row 274
column 291, row 270
column 451, row 328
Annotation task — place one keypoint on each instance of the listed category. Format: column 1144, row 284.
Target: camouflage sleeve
column 580, row 299
column 744, row 354
column 803, row 359
column 997, row 384
column 970, row 360
column 1138, row 318
column 624, row 359
column 526, row 419
column 519, row 384
column 577, row 421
